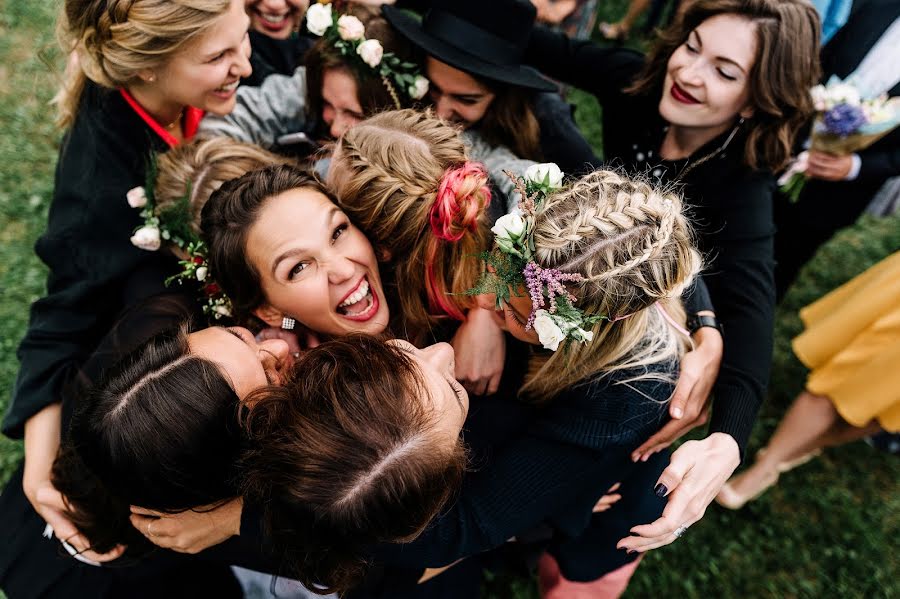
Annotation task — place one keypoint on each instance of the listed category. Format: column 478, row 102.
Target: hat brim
column 518, row 75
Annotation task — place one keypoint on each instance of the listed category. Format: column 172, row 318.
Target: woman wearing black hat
column 475, row 63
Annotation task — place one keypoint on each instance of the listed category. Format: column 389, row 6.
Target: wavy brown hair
column 510, row 121
column 386, row 173
column 115, row 39
column 371, row 91
column 786, row 67
column 344, row 457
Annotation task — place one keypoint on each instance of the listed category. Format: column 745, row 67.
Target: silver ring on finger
column 680, row 531
column 150, row 529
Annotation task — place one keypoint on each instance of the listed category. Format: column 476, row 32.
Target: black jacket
column 86, row 247
column 729, row 204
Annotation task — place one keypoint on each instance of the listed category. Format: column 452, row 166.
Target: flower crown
column 347, row 35
column 512, row 266
column 172, row 224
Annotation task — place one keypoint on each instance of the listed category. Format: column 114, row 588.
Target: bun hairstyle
column 634, row 248
column 404, row 179
column 113, row 40
column 199, row 168
column 346, row 456
column 160, row 431
column 371, row 91
column 226, row 219
column 786, row 67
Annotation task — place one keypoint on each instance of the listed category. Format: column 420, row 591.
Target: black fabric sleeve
column 741, row 282
column 881, row 160
column 604, row 72
column 696, row 297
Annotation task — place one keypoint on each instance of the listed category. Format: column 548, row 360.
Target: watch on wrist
column 695, row 322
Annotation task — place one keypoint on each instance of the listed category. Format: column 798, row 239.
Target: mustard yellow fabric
column 852, row 345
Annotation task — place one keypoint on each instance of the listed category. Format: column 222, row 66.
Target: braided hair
column 633, row 247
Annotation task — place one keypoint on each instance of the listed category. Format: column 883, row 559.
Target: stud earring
column 288, row 323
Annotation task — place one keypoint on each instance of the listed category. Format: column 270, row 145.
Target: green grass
column 828, row 530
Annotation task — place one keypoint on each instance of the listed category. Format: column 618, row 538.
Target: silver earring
column 288, row 323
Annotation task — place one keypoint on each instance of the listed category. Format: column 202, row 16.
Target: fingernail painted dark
column 661, row 490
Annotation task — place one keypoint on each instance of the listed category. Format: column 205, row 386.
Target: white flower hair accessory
column 554, row 316
column 172, row 224
column 347, row 34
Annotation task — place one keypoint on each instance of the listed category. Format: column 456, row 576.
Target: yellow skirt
column 852, row 345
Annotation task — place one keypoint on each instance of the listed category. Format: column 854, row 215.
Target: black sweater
column 87, row 249
column 729, row 203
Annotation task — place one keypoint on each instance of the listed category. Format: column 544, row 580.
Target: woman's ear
column 146, row 75
column 383, row 255
column 747, row 113
column 269, row 315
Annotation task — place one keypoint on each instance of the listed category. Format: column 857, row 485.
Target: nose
column 691, row 73
column 339, row 126
column 241, row 66
column 340, row 270
column 443, row 107
column 275, row 348
column 441, row 357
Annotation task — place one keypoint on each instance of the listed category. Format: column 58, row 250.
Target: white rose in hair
column 201, row 273
column 547, row 330
column 146, row 238
column 221, row 310
column 419, row 88
column 350, row 28
column 137, row 197
column 509, row 226
column 318, row 18
column 545, row 172
column 371, row 52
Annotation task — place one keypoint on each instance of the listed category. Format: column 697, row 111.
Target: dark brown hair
column 510, row 121
column 372, row 93
column 786, row 67
column 344, row 457
column 227, row 217
column 160, row 431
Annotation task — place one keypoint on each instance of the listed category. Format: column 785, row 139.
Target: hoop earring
column 288, row 323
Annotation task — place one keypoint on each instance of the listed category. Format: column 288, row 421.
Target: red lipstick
column 682, row 96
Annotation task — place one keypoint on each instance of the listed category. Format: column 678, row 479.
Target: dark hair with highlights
column 160, row 431
column 786, row 67
column 346, row 456
column 226, row 219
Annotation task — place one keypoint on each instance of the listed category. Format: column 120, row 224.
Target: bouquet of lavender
column 845, row 123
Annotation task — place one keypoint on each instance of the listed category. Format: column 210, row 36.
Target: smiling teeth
column 229, row 87
column 360, row 293
column 272, row 18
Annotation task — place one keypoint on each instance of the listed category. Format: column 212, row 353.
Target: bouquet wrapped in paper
column 845, row 123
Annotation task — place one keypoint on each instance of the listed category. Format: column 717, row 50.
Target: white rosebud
column 580, row 334
column 546, row 171
column 350, row 28
column 146, row 238
column 201, row 273
column 549, row 334
column 419, row 88
column 371, row 52
column 318, row 18
column 137, row 197
column 509, row 226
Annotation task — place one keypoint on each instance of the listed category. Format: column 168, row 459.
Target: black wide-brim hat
column 485, row 38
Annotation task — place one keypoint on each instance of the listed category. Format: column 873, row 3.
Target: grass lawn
column 828, row 530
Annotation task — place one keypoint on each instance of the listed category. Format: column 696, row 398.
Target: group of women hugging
column 413, row 326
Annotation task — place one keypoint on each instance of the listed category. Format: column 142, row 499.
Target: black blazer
column 87, row 250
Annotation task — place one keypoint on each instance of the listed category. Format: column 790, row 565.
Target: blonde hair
column 386, row 173
column 198, row 168
column 115, row 39
column 633, row 247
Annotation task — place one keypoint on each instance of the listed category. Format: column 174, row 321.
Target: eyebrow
column 294, row 251
column 719, row 58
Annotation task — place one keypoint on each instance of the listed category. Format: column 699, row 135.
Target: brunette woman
column 128, row 93
column 278, row 44
column 715, row 107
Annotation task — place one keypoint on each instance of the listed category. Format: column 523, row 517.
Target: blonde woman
column 405, row 179
column 142, row 75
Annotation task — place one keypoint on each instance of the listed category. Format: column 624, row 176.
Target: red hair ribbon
column 446, row 208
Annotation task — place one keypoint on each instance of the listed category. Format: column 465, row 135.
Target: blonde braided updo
column 633, row 247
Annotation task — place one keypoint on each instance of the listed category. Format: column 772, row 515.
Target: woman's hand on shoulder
column 480, row 352
column 190, row 531
column 695, row 475
column 689, row 404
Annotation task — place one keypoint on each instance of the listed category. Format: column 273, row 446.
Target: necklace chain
column 689, row 166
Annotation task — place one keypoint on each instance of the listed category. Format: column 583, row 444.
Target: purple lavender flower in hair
column 844, row 119
column 535, row 280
